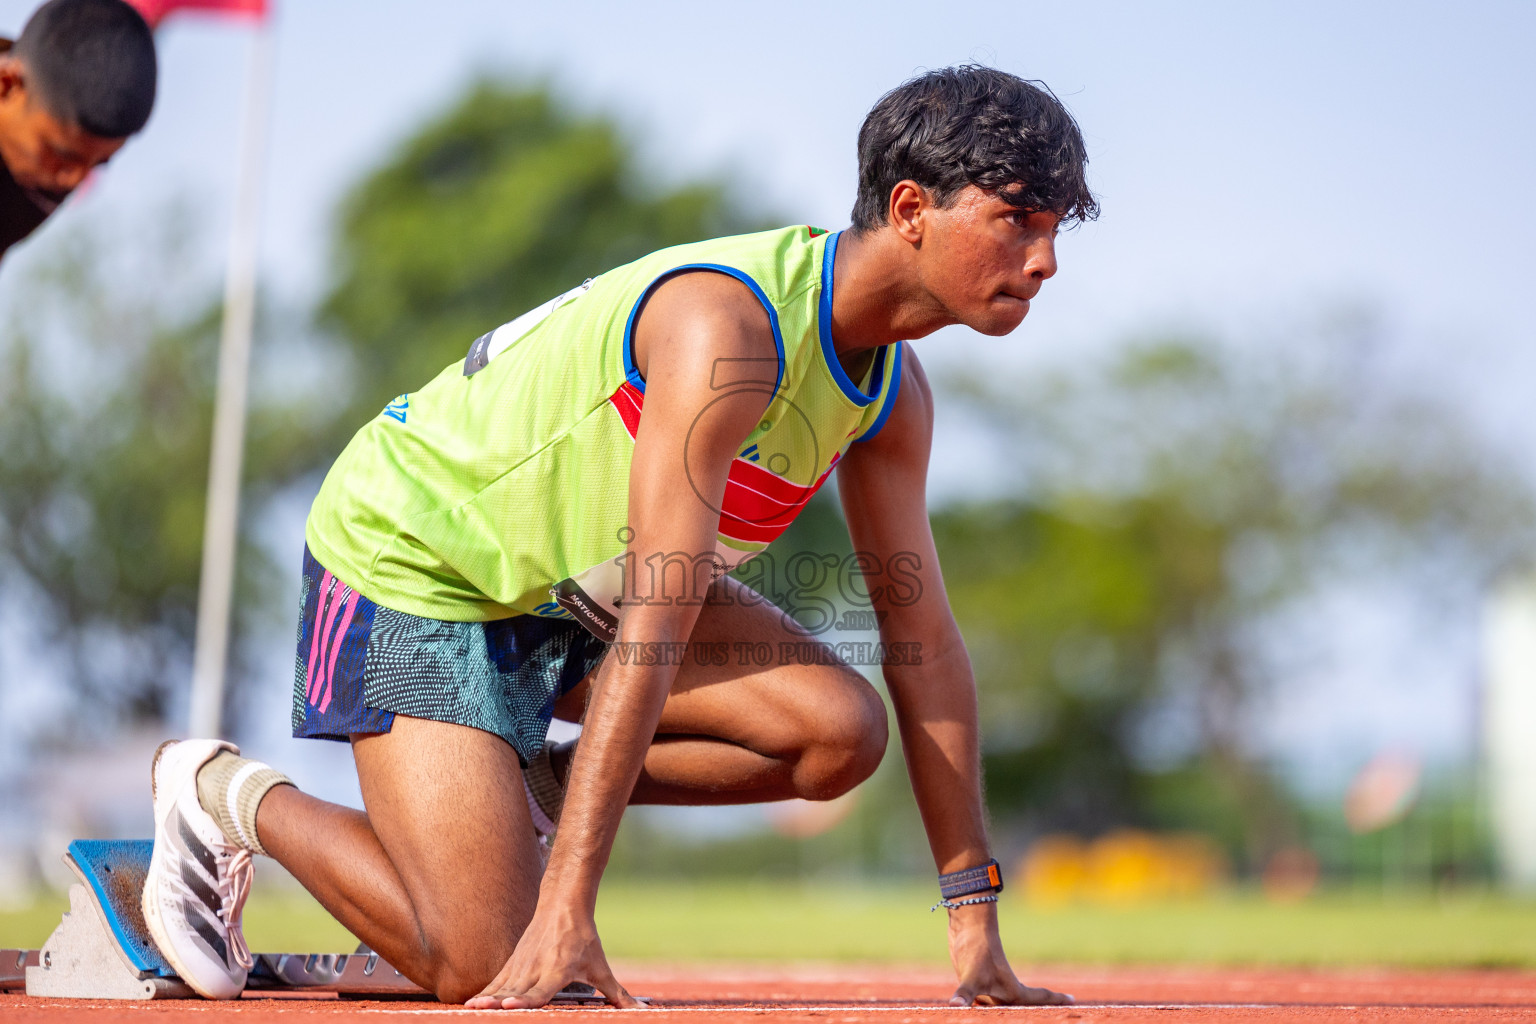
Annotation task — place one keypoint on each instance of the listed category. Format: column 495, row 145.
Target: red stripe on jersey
column 769, row 484
column 747, row 517
column 758, row 504
column 629, row 400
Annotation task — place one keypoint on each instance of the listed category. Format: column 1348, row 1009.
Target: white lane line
column 840, row 1008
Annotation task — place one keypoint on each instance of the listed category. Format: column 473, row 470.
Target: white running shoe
column 198, row 879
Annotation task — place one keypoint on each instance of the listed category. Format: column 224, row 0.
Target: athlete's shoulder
column 706, row 301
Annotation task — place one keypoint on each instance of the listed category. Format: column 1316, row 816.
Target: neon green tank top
column 502, row 487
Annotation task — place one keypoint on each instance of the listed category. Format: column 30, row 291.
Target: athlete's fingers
column 609, row 986
column 1048, row 997
column 1044, row 997
column 493, row 1000
column 970, row 995
column 507, row 984
column 533, row 998
column 489, row 998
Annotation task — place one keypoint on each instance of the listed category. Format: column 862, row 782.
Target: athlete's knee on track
column 451, row 986
column 848, row 740
column 464, row 944
column 458, row 967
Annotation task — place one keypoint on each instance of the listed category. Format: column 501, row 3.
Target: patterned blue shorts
column 359, row 664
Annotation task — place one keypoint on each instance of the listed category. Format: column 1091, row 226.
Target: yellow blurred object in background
column 1121, row 868
column 1053, row 870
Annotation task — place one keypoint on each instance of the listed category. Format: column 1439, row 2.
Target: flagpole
column 215, row 592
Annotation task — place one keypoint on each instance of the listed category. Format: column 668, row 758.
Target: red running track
column 883, row 995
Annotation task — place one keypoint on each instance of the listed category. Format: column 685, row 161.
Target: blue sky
column 1255, row 160
column 1259, row 163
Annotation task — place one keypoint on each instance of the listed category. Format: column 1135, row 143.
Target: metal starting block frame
column 102, row 949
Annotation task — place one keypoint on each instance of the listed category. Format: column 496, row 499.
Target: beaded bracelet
column 957, row 904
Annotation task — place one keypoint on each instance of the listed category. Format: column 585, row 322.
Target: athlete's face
column 40, row 150
column 984, row 261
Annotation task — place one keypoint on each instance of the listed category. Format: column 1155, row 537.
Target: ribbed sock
column 231, row 788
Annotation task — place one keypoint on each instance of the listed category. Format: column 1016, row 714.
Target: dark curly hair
column 973, row 125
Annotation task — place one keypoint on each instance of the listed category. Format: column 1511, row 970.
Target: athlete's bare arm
column 687, row 438
column 882, row 482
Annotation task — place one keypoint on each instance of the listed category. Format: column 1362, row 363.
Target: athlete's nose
column 1040, row 259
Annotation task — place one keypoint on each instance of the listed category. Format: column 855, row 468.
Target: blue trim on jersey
column 824, row 331
column 632, row 373
column 890, row 400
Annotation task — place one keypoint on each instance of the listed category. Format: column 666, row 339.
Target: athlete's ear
column 12, row 77
column 910, row 206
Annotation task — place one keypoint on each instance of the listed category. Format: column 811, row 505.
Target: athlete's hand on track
column 560, row 946
column 976, row 950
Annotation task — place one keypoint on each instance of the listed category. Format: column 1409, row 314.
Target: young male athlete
column 73, row 87
column 586, row 475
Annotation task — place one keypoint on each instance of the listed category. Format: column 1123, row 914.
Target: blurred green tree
column 105, row 409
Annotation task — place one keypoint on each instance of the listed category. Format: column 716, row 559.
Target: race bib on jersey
column 493, row 343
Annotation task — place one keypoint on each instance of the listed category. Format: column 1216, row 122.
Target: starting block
column 102, row 948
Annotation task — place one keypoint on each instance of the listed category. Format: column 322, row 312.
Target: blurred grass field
column 758, row 922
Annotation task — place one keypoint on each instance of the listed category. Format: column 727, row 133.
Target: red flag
column 154, row 11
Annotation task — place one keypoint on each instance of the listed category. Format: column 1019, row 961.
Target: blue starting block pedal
column 115, row 870
column 102, row 948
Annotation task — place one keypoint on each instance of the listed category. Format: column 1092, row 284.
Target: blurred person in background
column 73, row 87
